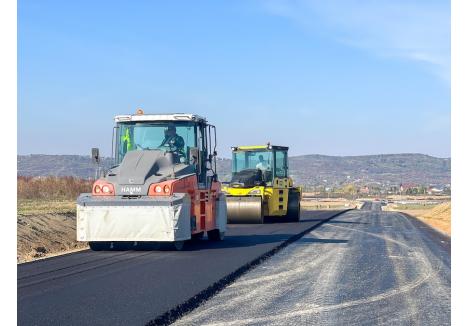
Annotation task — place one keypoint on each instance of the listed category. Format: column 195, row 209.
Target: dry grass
column 52, row 188
column 31, row 207
column 46, row 216
column 437, row 216
column 414, row 206
column 419, row 197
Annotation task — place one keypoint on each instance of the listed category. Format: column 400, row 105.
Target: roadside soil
column 439, row 217
column 45, row 229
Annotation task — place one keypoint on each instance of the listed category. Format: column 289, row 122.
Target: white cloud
column 415, row 30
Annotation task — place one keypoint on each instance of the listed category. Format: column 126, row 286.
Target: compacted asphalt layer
column 364, row 267
column 360, row 267
column 141, row 287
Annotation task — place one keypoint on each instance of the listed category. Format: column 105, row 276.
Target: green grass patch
column 414, row 206
column 28, row 207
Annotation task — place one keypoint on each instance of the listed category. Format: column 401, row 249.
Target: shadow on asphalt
column 234, row 241
column 237, row 241
column 229, row 242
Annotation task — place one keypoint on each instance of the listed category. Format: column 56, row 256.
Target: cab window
column 281, row 167
column 153, row 136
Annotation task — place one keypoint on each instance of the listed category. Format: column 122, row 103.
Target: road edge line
column 197, row 300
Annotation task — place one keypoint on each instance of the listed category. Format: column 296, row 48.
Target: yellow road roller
column 260, row 186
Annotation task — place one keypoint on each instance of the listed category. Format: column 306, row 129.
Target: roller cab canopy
column 259, row 147
column 252, row 163
column 160, row 117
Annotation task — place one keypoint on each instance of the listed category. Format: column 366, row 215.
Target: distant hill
column 58, row 165
column 308, row 170
column 368, row 169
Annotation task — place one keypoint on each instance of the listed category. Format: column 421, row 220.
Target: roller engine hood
column 139, row 169
column 138, row 166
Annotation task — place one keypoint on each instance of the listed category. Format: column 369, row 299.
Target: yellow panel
column 246, row 148
column 254, row 191
column 278, row 197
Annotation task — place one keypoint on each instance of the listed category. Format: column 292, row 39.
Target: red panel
column 179, row 185
column 202, row 209
column 203, row 201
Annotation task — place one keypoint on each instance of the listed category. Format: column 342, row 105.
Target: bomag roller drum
column 244, row 209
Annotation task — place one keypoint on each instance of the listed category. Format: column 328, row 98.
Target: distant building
column 434, row 190
column 407, row 186
column 364, row 190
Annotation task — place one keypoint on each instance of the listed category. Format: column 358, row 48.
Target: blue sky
column 327, row 77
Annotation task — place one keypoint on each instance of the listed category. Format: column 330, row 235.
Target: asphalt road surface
column 134, row 288
column 365, row 267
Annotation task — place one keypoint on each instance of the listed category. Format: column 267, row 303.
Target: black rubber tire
column 294, row 206
column 148, row 245
column 215, row 235
column 123, row 245
column 179, row 245
column 99, row 245
column 197, row 236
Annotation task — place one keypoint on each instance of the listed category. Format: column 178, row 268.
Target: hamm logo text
column 130, row 190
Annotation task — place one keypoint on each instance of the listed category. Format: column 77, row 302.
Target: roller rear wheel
column 197, row 236
column 294, row 206
column 179, row 245
column 215, row 235
column 148, row 245
column 99, row 245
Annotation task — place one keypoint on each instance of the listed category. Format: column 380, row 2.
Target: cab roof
column 159, row 117
column 259, row 147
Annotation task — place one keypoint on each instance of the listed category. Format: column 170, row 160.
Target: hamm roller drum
column 244, row 209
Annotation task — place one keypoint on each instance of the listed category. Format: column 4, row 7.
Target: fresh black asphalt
column 137, row 287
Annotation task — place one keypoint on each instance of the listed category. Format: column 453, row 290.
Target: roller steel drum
column 244, row 209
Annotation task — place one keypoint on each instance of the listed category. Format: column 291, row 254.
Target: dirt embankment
column 46, row 216
column 46, row 228
column 439, row 216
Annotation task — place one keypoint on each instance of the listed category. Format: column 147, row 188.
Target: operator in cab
column 264, row 169
column 262, row 164
column 173, row 141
